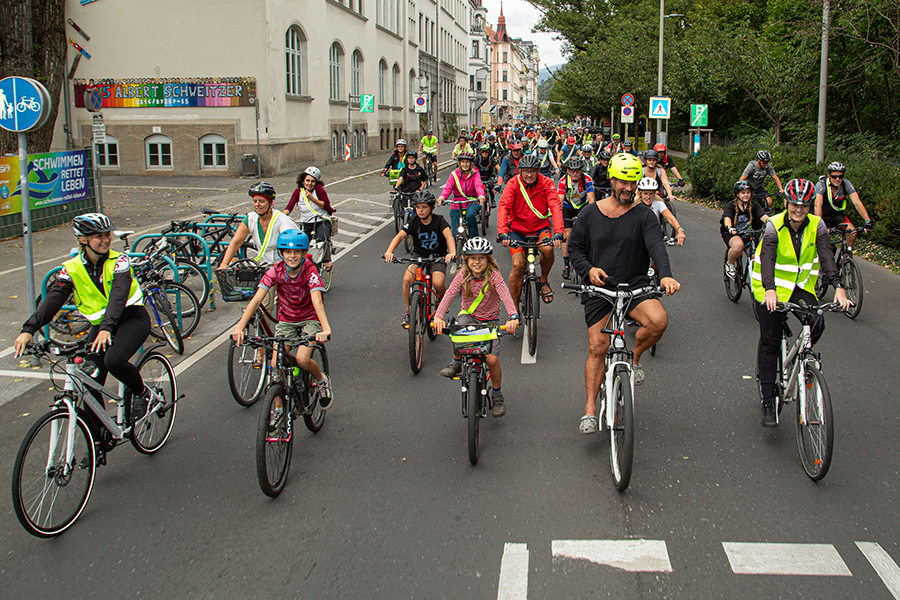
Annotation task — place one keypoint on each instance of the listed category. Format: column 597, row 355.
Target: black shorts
column 595, row 309
column 440, row 267
column 836, row 221
column 569, row 214
column 727, row 235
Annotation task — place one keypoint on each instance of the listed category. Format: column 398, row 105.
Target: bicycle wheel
column 49, row 493
column 417, row 327
column 429, row 315
column 472, row 398
column 192, row 277
column 621, row 447
column 185, row 307
column 163, row 325
column 531, row 310
column 316, row 419
column 734, row 287
column 667, row 227
column 247, row 367
column 273, row 442
column 325, row 275
column 851, row 277
column 149, row 435
column 484, row 218
column 398, row 214
column 815, row 429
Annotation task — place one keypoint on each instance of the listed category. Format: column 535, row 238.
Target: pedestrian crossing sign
column 660, row 107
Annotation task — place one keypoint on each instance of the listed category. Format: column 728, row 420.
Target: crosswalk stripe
column 886, row 568
column 513, row 573
column 371, row 216
column 628, row 555
column 750, row 558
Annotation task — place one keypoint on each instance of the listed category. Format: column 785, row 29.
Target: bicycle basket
column 473, row 340
column 317, row 251
column 239, row 283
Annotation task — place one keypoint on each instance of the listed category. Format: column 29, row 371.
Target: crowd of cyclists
column 600, row 203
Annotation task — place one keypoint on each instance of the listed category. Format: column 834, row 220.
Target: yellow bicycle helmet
column 626, row 167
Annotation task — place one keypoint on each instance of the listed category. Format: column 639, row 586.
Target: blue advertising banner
column 53, row 178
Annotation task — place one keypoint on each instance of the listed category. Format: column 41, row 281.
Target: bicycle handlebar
column 845, row 231
column 421, row 260
column 261, row 341
column 514, row 244
column 650, row 291
column 807, row 308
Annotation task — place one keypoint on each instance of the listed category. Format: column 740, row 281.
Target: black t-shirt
column 486, row 168
column 412, row 178
column 600, row 175
column 428, row 239
column 742, row 220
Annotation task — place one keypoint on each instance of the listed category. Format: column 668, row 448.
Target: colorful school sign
column 203, row 92
column 53, row 178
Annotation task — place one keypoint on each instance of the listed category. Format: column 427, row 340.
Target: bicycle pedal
column 456, row 378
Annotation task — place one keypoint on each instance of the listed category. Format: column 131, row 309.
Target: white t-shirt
column 307, row 215
column 657, row 206
column 280, row 223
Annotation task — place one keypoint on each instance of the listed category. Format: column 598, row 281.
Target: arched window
column 356, row 62
column 381, row 139
column 294, row 54
column 335, row 57
column 395, row 85
column 356, row 142
column 108, row 153
column 334, row 145
column 362, row 143
column 343, row 142
column 158, row 152
column 413, row 88
column 212, row 152
column 382, row 74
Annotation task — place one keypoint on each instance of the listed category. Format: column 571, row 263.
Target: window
column 395, row 86
column 474, row 48
column 505, row 75
column 343, row 141
column 335, row 56
column 362, row 143
column 471, row 82
column 295, row 44
column 355, row 142
column 158, row 149
column 504, row 94
column 413, row 89
column 505, row 57
column 334, row 145
column 382, row 73
column 108, row 153
column 212, row 152
column 355, row 72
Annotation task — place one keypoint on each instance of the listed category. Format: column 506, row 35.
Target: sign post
column 24, row 105
column 699, row 115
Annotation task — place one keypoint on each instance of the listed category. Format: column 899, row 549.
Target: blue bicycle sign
column 24, row 104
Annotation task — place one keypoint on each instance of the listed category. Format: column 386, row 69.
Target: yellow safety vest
column 90, row 301
column 429, row 144
column 790, row 272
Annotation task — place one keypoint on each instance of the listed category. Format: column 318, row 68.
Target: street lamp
column 659, row 82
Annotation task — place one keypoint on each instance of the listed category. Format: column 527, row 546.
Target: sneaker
column 588, row 424
column 730, row 271
column 405, row 322
column 326, row 397
column 768, row 413
column 567, row 271
column 139, row 405
column 499, row 408
column 452, row 370
column 638, row 371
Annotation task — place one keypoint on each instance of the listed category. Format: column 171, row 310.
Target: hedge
column 715, row 169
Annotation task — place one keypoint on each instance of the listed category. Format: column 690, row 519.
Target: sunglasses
column 838, row 176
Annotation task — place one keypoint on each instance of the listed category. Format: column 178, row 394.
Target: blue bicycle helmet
column 293, row 239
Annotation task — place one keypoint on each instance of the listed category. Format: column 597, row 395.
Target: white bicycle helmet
column 837, row 166
column 314, row 172
column 542, row 143
column 648, row 183
column 477, row 245
column 401, row 141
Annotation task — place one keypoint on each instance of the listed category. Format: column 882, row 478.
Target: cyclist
column 509, row 168
column 667, row 162
column 431, row 236
column 412, row 177
column 301, row 310
column 428, row 148
column 587, row 153
column 462, row 146
column 465, row 188
column 628, row 147
column 569, row 149
column 741, row 214
column 483, row 291
column 262, row 225
column 612, row 244
column 648, row 191
column 651, row 170
column 108, row 295
column 836, row 189
column 576, row 190
column 488, row 167
column 600, row 174
column 794, row 251
column 549, row 168
column 315, row 209
column 395, row 163
column 615, row 146
column 530, row 207
column 756, row 173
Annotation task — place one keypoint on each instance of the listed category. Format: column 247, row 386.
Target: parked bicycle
column 851, row 276
column 173, row 308
column 422, row 303
column 616, row 405
column 531, row 287
column 53, row 475
column 188, row 273
column 291, row 394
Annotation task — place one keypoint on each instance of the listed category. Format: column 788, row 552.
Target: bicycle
column 851, row 276
column 617, row 391
column 292, row 388
column 423, row 302
column 174, row 310
column 531, row 287
column 473, row 343
column 484, row 216
column 734, row 288
column 670, row 236
column 318, row 250
column 431, row 167
column 186, row 271
column 403, row 212
column 462, row 234
column 55, row 466
column 800, row 379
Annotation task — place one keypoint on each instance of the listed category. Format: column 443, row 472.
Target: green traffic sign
column 699, row 115
column 367, row 103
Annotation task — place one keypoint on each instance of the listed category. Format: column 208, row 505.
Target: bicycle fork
column 794, row 382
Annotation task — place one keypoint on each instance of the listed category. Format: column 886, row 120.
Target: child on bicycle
column 741, row 214
column 483, row 290
column 431, row 236
column 300, row 306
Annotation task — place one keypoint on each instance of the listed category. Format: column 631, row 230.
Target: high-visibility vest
column 89, row 300
column 790, row 272
column 429, row 144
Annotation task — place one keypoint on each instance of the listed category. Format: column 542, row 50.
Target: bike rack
column 205, row 265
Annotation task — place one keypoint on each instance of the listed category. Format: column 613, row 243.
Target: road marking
column 382, row 204
column 194, row 358
column 628, row 555
column 527, row 359
column 513, row 573
column 886, row 568
column 158, row 187
column 7, row 352
column 785, row 559
column 25, row 374
column 356, row 224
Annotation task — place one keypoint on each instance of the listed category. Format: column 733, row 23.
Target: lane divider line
column 628, row 555
column 751, row 558
column 513, row 572
column 886, row 568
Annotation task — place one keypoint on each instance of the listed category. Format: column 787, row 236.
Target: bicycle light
column 531, row 258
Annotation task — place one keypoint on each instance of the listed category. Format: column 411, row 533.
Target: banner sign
column 53, row 178
column 202, row 92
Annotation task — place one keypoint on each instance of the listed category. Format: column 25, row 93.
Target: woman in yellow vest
column 794, row 250
column 106, row 294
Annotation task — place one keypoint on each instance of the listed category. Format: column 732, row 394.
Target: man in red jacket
column 530, row 207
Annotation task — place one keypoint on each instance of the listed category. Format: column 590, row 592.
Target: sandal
column 589, row 424
column 547, row 297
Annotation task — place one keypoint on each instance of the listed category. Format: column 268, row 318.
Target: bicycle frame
column 479, row 365
column 618, row 354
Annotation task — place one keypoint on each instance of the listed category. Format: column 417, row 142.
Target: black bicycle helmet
column 412, row 154
column 91, row 224
column 740, row 186
column 604, row 155
column 423, row 197
column 262, row 189
column 530, row 161
column 800, row 192
column 651, row 154
column 575, row 163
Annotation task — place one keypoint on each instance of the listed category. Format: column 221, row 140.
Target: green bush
column 714, row 170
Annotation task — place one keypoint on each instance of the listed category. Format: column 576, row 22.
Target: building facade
column 514, row 68
column 479, row 66
column 230, row 76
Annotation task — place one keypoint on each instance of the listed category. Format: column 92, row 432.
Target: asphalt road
column 383, row 503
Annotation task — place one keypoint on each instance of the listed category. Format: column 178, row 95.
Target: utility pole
column 823, row 84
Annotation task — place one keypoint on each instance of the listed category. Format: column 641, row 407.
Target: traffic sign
column 699, row 115
column 24, row 104
column 627, row 100
column 367, row 103
column 660, row 107
column 93, row 99
column 347, row 152
column 627, row 114
column 421, row 104
column 99, row 129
